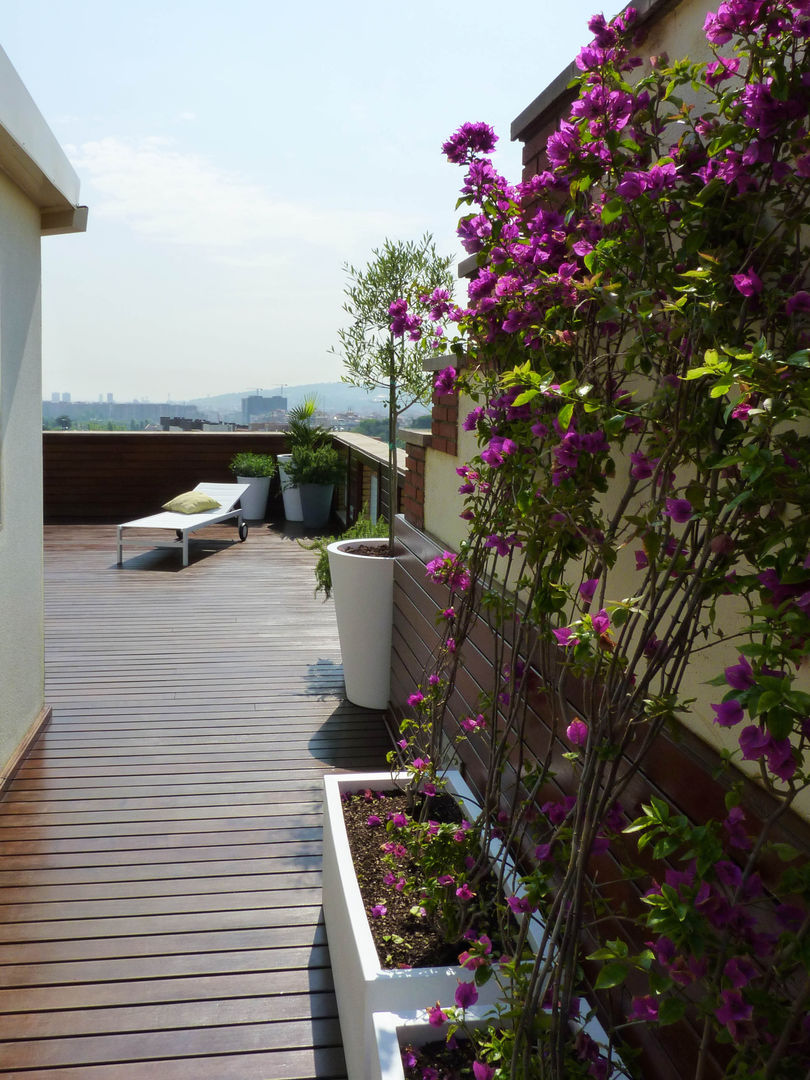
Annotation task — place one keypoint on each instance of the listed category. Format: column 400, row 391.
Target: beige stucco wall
column 21, row 662
column 39, row 193
column 443, row 503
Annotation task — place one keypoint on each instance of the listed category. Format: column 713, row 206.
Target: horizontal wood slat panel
column 161, row 842
column 680, row 769
column 118, row 476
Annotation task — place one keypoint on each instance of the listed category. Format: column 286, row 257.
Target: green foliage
column 398, row 270
column 372, row 357
column 315, row 464
column 636, row 344
column 300, row 429
column 247, row 463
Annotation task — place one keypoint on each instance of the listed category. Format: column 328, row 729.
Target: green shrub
column 249, row 464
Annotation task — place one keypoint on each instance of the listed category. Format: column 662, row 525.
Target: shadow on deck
column 160, row 903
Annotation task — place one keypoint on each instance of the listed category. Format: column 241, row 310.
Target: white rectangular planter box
column 393, row 1030
column 362, row 986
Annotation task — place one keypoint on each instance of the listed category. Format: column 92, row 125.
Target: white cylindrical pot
column 254, row 500
column 291, row 495
column 363, row 588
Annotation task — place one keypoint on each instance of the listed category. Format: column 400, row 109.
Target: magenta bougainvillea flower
column 445, row 381
column 728, row 713
column 471, row 138
column 643, row 1008
column 748, row 283
column 466, row 995
column 740, row 676
column 679, row 510
column 482, row 1071
column 435, row 1016
column 588, row 588
column 577, row 732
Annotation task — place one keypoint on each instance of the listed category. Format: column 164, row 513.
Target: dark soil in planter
column 402, row 939
column 451, row 1061
column 377, row 551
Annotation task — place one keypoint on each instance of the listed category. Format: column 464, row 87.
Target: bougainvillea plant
column 634, row 349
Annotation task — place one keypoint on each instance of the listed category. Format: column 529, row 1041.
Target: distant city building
column 54, row 397
column 257, row 407
column 119, row 411
column 65, row 397
column 109, row 398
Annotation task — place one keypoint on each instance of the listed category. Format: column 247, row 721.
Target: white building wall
column 39, row 193
column 21, row 649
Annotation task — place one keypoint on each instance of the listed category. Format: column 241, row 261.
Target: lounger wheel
column 243, row 530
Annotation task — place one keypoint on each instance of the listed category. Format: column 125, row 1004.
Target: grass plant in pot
column 257, row 470
column 375, row 360
column 315, row 470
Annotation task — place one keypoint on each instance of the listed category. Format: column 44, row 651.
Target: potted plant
column 363, row 986
column 315, row 470
column 300, row 432
column 256, row 470
column 377, row 359
column 343, row 566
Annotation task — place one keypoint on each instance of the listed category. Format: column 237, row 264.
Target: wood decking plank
column 160, row 847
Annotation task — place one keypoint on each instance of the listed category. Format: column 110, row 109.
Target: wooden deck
column 160, row 905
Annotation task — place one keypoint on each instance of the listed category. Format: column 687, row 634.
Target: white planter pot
column 254, row 500
column 375, row 1003
column 363, row 588
column 394, row 1030
column 291, row 495
column 362, row 986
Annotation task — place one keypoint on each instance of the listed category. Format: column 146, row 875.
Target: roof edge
column 547, row 104
column 31, row 156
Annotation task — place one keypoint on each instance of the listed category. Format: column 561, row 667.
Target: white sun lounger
column 185, row 524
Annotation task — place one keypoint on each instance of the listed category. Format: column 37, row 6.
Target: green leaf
column 565, row 414
column 611, row 975
column 721, row 388
column 612, row 210
column 671, row 1010
column 799, row 359
column 785, row 852
column 525, row 397
column 779, row 721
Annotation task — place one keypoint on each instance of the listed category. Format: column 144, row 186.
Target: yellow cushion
column 191, row 502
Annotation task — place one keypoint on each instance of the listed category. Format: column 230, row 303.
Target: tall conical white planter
column 291, row 495
column 254, row 501
column 363, row 588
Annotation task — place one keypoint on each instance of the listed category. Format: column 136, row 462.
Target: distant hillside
column 333, row 397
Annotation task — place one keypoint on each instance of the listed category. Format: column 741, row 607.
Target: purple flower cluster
column 402, row 323
column 469, row 141
column 450, row 571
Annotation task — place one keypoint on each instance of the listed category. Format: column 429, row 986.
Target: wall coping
column 32, row 158
column 416, row 436
column 369, row 447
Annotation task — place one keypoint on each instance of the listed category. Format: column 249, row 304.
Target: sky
column 234, row 156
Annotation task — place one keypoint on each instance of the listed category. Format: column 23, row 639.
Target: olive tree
column 397, row 278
